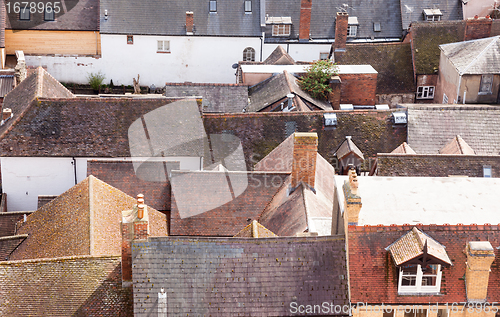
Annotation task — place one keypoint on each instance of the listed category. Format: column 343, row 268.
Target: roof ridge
column 64, row 258
column 272, row 198
column 290, row 88
column 17, row 119
column 39, row 82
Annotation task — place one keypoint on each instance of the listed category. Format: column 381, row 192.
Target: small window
column 248, row 6
column 163, row 47
column 487, row 171
column 415, row 278
column 49, row 15
column 376, row 27
column 130, row 39
column 249, row 54
column 281, row 29
column 486, row 84
column 425, row 92
column 24, row 13
column 324, row 55
column 352, row 30
column 213, row 5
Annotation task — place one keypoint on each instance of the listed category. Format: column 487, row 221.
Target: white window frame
column 281, row 29
column 324, row 55
column 249, row 54
column 432, row 18
column 212, row 6
column 418, row 287
column 248, row 6
column 486, row 85
column 352, row 30
column 163, row 46
column 425, row 92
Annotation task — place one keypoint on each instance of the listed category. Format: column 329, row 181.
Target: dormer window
column 213, row 6
column 419, row 259
column 352, row 26
column 281, row 26
column 248, row 6
column 432, row 15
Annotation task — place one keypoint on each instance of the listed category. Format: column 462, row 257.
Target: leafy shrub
column 316, row 80
column 95, row 80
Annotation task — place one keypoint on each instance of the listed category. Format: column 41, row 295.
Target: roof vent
column 376, row 26
column 382, row 107
column 399, row 118
column 330, row 119
column 346, row 107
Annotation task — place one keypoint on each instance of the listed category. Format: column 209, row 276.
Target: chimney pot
column 140, row 211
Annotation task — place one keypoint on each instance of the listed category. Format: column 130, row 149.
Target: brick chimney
column 134, row 226
column 352, row 204
column 341, row 24
column 477, row 28
column 305, row 150
column 480, row 256
column 189, row 22
column 334, row 96
column 305, row 20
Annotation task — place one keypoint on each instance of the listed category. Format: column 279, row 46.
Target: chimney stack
column 352, row 204
column 480, row 256
column 134, row 226
column 189, row 22
column 305, row 20
column 305, row 151
column 477, row 28
column 341, row 24
column 334, row 96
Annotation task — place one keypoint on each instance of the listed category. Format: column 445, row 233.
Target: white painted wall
column 193, row 58
column 24, row 178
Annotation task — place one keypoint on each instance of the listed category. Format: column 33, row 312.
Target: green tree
column 316, row 80
column 95, row 80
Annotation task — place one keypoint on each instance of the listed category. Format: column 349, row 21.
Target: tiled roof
column 238, row 276
column 71, row 286
column 80, row 15
column 8, row 244
column 39, row 84
column 430, row 128
column 219, row 98
column 6, row 84
column 169, row 18
column 323, row 14
column 8, row 221
column 80, row 127
column 347, row 147
column 457, row 146
column 392, row 61
column 279, row 159
column 414, row 244
column 279, row 57
column 412, row 10
column 427, row 36
column 276, row 89
column 404, row 148
column 374, row 276
column 474, row 57
column 85, row 220
column 255, row 230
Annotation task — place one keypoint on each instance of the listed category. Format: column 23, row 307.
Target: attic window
column 281, row 26
column 376, row 27
column 432, row 15
column 352, row 26
column 248, row 6
column 486, row 84
column 49, row 14
column 24, row 14
column 213, row 6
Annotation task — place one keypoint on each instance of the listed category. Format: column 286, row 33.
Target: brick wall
column 436, row 165
column 122, row 176
column 358, row 89
column 305, row 19
column 477, row 28
column 260, row 133
column 341, row 24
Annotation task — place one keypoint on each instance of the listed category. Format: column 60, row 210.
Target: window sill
column 484, row 93
column 419, row 293
column 163, row 52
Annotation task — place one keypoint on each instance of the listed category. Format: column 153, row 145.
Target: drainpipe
column 459, row 83
column 74, row 168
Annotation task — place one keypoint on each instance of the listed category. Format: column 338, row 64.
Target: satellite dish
column 235, row 65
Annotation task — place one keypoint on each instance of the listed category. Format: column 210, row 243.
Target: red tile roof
column 374, row 277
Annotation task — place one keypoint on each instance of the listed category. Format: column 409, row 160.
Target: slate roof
column 430, row 128
column 412, row 11
column 81, row 15
column 80, row 127
column 347, row 147
column 457, row 146
column 276, row 88
column 323, row 15
column 426, row 38
column 414, row 244
column 70, row 286
column 238, row 276
column 374, row 276
column 39, row 84
column 279, row 57
column 169, row 18
column 216, row 98
column 404, row 148
column 85, row 220
column 474, row 57
column 392, row 61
